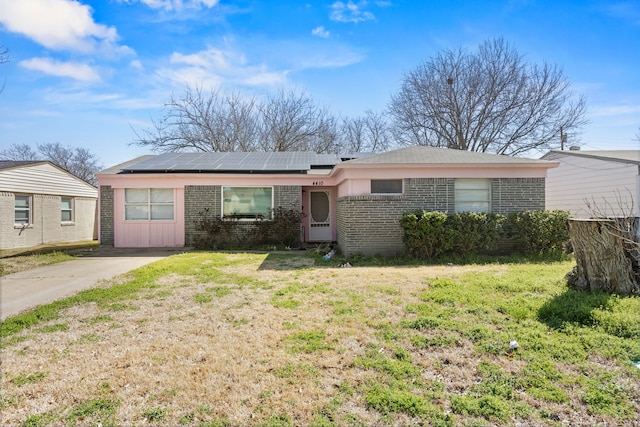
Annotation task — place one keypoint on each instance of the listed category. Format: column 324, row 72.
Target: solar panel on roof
column 234, row 161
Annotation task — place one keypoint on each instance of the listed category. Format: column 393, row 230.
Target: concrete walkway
column 27, row 289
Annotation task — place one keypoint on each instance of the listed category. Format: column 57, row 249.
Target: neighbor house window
column 473, row 195
column 66, row 209
column 386, row 186
column 148, row 204
column 247, row 202
column 22, row 209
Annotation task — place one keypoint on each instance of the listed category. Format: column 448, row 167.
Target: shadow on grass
column 573, row 307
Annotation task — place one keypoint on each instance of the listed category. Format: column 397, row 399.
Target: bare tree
column 292, row 122
column 368, row 134
column 214, row 121
column 19, row 152
column 200, row 121
column 489, row 101
column 76, row 160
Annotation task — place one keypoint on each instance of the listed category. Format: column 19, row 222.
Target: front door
column 320, row 217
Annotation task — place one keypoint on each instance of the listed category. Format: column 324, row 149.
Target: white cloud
column 178, row 5
column 136, row 64
column 59, row 24
column 74, row 70
column 350, row 12
column 214, row 67
column 320, row 32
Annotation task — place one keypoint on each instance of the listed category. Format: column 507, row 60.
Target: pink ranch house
column 354, row 201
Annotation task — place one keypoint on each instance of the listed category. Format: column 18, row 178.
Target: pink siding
column 356, row 181
column 140, row 234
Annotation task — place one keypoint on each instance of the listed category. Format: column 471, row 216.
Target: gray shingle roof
column 431, row 155
column 5, row 164
column 626, row 156
column 253, row 162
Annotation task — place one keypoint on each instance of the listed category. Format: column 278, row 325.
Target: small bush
column 282, row 229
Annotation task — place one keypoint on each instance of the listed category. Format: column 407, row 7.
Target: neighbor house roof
column 625, row 156
column 229, row 162
column 6, row 164
column 431, row 155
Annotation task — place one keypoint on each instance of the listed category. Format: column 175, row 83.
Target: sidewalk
column 43, row 285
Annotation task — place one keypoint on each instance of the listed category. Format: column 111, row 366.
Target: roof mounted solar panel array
column 253, row 162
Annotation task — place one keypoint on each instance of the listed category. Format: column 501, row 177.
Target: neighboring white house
column 42, row 203
column 606, row 180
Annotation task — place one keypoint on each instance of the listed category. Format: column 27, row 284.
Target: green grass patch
column 21, row 380
column 100, row 411
column 154, row 415
column 203, row 298
column 308, row 342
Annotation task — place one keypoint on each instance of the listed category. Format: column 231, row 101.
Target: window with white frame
column 473, row 195
column 247, row 202
column 386, row 186
column 148, row 204
column 22, row 211
column 66, row 209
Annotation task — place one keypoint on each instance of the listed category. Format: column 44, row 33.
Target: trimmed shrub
column 425, row 235
column 538, row 232
column 474, row 232
column 433, row 234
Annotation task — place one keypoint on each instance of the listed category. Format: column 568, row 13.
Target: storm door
column 320, row 217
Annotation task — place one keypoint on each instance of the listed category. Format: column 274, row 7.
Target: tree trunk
column 603, row 259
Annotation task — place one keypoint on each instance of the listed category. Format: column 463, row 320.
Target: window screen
column 22, row 209
column 386, row 186
column 473, row 195
column 66, row 209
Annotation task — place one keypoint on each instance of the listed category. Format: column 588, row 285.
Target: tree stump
column 605, row 259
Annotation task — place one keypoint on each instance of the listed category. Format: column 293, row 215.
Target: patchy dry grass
column 213, row 339
column 19, row 263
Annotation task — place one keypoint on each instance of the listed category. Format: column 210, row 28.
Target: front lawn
column 226, row 339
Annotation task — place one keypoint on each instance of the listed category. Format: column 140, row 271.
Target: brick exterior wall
column 46, row 225
column 369, row 224
column 106, row 216
column 197, row 198
column 517, row 194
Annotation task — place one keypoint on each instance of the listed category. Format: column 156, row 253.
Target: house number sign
column 318, row 183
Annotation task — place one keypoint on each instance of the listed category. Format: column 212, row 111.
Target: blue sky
column 88, row 72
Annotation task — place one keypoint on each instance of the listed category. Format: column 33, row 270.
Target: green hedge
column 433, row 234
column 430, row 235
column 538, row 232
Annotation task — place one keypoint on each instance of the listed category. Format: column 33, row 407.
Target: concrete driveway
column 27, row 289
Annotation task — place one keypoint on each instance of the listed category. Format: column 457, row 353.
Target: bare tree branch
column 19, row 152
column 489, row 101
column 214, row 121
column 200, row 121
column 366, row 134
column 292, row 122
